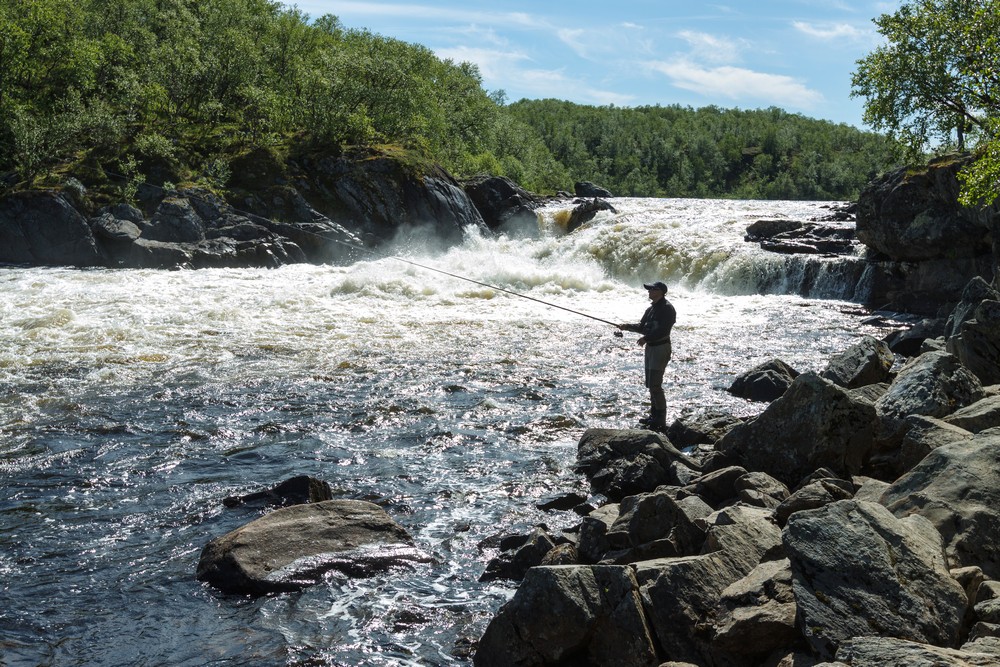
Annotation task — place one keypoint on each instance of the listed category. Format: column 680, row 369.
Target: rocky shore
column 853, row 522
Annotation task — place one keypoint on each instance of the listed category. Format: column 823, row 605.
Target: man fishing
column 655, row 328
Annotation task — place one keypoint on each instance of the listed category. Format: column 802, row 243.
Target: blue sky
column 794, row 54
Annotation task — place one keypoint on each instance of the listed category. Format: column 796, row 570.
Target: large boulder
column 43, row 228
column 934, row 384
column 896, row 652
column 913, row 214
column 980, row 416
column 764, row 382
column 503, row 204
column 175, row 221
column 973, row 294
column 293, row 547
column 658, row 524
column 570, row 615
column 869, row 361
column 859, row 571
column 756, row 614
column 680, row 595
column 622, row 463
column 957, row 488
column 814, row 424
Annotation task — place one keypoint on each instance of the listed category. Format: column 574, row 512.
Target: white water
column 132, row 402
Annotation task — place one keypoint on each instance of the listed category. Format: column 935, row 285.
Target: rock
column 562, row 554
column 503, row 204
column 293, row 491
column 658, row 524
column 812, row 496
column 973, row 294
column 759, row 489
column 812, row 239
column 766, row 229
column 561, row 501
column 957, row 488
column 977, row 344
column 680, row 595
column 378, row 195
column 814, row 424
column 933, row 246
column 910, row 342
column 570, row 615
column 109, row 228
column 718, row 486
column 981, row 415
column 764, row 382
column 42, row 228
column 859, row 571
column 588, row 189
column 514, row 563
column 697, row 428
column 594, row 532
column 293, row 547
column 913, row 215
column 934, row 384
column 175, row 221
column 893, row 652
column 756, row 614
column 924, row 435
column 622, row 463
column 868, row 361
column 585, row 211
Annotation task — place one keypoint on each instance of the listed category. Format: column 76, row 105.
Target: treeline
column 674, row 151
column 175, row 89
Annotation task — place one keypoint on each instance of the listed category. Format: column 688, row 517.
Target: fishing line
column 355, row 246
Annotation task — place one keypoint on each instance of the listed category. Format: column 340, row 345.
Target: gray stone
column 869, row 361
column 764, row 382
column 756, row 615
column 814, row 424
column 622, row 463
column 977, row 345
column 293, row 547
column 957, row 488
column 858, row 571
column 570, row 615
column 42, row 228
column 893, row 652
column 924, row 435
column 979, row 416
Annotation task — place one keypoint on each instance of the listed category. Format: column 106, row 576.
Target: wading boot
column 656, row 421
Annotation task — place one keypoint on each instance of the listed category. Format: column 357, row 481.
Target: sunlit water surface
column 133, row 402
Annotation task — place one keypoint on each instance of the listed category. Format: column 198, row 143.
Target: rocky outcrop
column 294, row 547
column 588, row 189
column 622, row 463
column 312, row 208
column 584, row 211
column 926, row 247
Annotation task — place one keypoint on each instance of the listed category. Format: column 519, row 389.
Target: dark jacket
column 656, row 322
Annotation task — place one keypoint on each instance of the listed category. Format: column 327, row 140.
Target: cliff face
column 924, row 246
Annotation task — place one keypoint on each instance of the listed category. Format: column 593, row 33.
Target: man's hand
column 641, row 341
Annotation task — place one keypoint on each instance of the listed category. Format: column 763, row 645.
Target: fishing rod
column 355, row 246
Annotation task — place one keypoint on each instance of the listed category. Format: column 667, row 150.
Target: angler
column 655, row 327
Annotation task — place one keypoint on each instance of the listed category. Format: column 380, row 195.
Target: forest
column 175, row 90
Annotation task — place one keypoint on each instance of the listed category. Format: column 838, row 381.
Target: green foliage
column 934, row 84
column 182, row 88
column 677, row 151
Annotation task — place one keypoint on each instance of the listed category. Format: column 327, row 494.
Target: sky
column 797, row 55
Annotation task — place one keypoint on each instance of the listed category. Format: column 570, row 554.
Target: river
column 132, row 402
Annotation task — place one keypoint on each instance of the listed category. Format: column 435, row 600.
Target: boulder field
column 854, row 522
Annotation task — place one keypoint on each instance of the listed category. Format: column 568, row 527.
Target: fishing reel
column 617, row 333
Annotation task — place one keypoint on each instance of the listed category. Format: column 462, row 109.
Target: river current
column 133, row 402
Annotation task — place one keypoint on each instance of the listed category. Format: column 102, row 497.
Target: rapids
column 133, row 402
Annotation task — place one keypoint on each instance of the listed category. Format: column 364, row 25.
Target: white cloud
column 739, row 84
column 830, row 31
column 711, row 48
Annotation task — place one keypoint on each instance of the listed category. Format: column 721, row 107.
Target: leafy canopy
column 935, row 84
